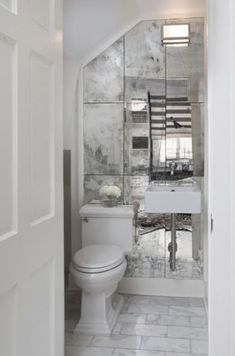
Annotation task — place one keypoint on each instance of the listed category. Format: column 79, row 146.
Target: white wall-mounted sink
column 181, row 196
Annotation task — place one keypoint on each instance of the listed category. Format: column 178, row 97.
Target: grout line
column 165, row 351
column 145, row 318
column 191, row 346
column 141, row 343
column 91, row 341
column 105, row 347
column 166, row 336
column 168, row 331
column 140, row 347
column 128, row 349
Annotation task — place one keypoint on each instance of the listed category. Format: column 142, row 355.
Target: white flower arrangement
column 108, row 192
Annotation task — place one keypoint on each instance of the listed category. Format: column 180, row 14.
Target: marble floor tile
column 87, row 351
column 148, row 309
column 147, row 326
column 165, row 344
column 187, row 332
column 125, row 352
column 70, row 325
column 139, row 299
column 196, row 302
column 117, row 341
column 73, row 339
column 184, row 311
column 125, row 308
column 181, row 354
column 198, row 321
column 126, row 297
column 199, row 347
column 155, row 319
column 132, row 318
column 117, row 328
column 144, row 330
column 170, row 301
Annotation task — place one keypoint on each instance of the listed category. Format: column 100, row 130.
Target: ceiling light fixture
column 175, row 35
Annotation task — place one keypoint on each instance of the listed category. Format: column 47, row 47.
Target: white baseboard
column 158, row 286
column 162, row 287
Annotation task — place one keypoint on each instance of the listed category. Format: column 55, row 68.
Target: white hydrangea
column 109, row 192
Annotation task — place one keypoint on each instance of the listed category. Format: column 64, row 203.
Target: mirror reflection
column 144, row 121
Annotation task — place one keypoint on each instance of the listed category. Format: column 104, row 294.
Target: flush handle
column 85, row 219
column 212, row 224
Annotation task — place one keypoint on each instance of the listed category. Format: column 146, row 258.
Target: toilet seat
column 97, row 258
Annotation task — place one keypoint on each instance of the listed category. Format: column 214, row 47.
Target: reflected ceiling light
column 175, row 35
column 137, row 105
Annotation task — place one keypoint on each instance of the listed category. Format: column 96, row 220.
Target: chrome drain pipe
column 172, row 247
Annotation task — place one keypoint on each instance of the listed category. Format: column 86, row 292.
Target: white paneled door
column 31, row 224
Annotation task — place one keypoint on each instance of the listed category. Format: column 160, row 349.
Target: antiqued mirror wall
column 143, row 121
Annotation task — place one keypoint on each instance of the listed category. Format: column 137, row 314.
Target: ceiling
column 90, row 22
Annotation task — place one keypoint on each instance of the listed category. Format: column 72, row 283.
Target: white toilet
column 97, row 268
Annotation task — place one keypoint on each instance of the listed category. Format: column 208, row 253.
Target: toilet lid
column 97, row 258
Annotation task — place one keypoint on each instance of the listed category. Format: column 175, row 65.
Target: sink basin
column 181, row 196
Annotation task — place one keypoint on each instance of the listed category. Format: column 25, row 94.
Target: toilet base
column 99, row 314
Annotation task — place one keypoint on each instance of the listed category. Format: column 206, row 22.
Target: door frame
column 221, row 193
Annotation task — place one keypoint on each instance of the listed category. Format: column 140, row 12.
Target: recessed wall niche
column 120, row 148
column 140, row 142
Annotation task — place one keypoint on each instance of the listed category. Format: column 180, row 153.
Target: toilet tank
column 108, row 225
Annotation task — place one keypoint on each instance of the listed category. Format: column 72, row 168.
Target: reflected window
column 179, row 148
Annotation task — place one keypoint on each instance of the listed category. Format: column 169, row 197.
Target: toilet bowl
column 98, row 267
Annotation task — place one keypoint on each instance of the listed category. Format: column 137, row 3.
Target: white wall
column 71, row 71
column 171, row 8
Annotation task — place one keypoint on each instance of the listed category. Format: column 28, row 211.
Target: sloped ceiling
column 90, row 22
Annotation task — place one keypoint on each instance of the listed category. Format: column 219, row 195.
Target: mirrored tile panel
column 103, row 139
column 103, row 77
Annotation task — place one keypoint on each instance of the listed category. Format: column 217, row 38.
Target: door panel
column 8, row 313
column 42, row 138
column 8, row 4
column 8, row 136
column 31, row 214
column 41, row 11
column 38, row 294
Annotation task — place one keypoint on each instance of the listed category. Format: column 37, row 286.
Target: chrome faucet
column 173, row 167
